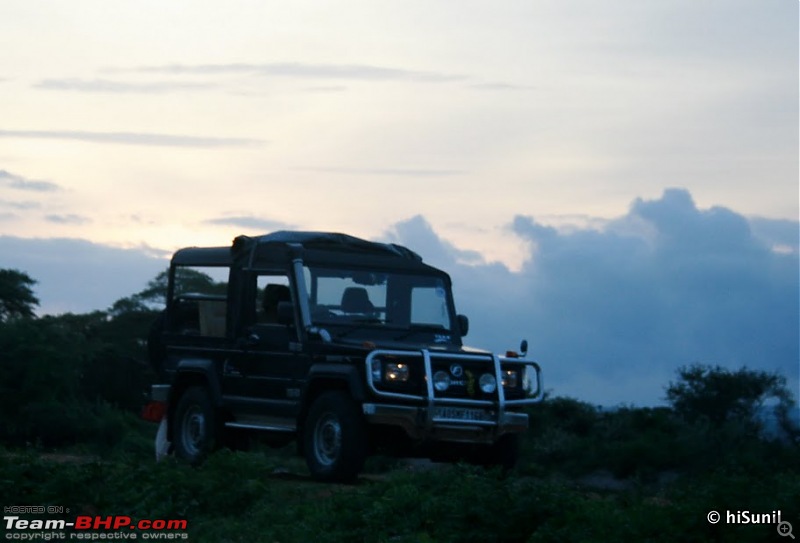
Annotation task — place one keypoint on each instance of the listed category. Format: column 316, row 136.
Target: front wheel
column 194, row 432
column 335, row 438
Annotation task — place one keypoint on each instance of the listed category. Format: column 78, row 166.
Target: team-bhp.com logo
column 87, row 527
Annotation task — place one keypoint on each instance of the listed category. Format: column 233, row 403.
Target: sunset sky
column 503, row 137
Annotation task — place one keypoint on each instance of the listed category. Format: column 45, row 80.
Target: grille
column 464, row 377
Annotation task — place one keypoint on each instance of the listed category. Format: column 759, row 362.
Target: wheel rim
column 193, row 430
column 327, row 440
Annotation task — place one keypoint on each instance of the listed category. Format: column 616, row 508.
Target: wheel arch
column 323, row 378
column 193, row 372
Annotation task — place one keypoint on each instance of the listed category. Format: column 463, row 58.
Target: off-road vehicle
column 343, row 345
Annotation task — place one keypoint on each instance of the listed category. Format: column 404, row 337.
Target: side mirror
column 285, row 312
column 463, row 325
column 523, row 347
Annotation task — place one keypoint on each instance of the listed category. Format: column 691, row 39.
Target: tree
column 16, row 295
column 719, row 395
column 155, row 293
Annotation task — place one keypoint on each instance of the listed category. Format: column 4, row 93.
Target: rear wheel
column 335, row 438
column 194, row 431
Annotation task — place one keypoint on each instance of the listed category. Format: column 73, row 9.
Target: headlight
column 510, row 378
column 441, row 381
column 488, row 383
column 396, row 372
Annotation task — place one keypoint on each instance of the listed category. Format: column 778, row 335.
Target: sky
column 615, row 181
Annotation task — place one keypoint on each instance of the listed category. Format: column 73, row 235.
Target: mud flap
column 162, row 443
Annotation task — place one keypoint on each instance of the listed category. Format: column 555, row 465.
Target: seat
column 273, row 295
column 356, row 300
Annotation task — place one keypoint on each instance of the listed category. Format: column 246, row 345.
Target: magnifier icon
column 785, row 529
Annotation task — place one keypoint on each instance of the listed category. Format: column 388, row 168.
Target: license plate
column 461, row 413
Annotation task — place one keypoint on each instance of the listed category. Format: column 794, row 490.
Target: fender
column 348, row 373
column 203, row 368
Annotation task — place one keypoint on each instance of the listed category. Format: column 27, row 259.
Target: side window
column 199, row 303
column 429, row 306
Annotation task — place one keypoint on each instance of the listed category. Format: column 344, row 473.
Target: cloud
column 19, row 182
column 611, row 314
column 610, row 310
column 361, row 72
column 251, row 223
column 120, row 87
column 132, row 138
column 20, row 205
column 501, row 87
column 69, row 218
column 397, row 172
column 78, row 276
column 322, row 89
column 428, row 243
column 780, row 234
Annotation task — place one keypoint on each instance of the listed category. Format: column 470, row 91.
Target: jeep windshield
column 372, row 300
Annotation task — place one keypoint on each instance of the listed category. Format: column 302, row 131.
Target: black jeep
column 346, row 346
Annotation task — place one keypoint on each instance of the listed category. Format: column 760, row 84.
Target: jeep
column 344, row 346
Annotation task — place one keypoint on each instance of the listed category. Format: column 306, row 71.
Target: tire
column 194, row 426
column 335, row 438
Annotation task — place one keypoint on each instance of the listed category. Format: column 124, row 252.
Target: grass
column 585, row 475
column 260, row 496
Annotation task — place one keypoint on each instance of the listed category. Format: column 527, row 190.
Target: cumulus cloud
column 780, row 234
column 131, row 138
column 610, row 309
column 612, row 313
column 19, row 182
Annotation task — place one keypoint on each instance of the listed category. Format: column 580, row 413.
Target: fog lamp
column 488, row 383
column 441, row 381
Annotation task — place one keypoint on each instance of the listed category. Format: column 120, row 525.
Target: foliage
column 187, row 280
column 16, row 295
column 62, row 375
column 721, row 396
column 247, row 497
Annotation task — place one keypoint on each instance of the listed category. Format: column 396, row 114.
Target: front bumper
column 435, row 416
column 423, row 423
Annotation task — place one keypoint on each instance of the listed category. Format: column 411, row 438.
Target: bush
column 721, row 396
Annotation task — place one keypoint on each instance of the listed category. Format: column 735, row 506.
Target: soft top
column 325, row 241
column 280, row 248
column 202, row 256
